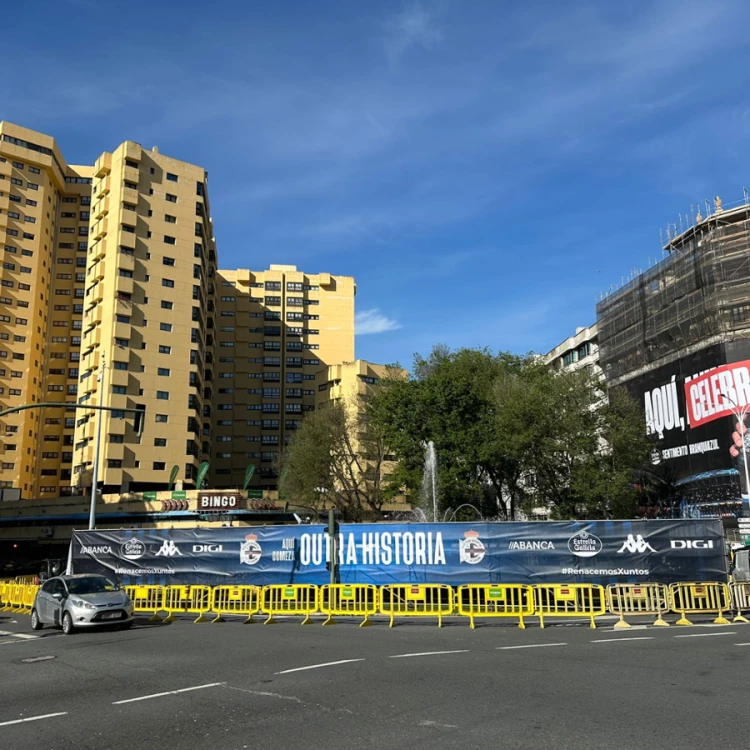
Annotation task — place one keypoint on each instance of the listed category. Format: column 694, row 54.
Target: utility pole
column 333, row 535
column 97, row 447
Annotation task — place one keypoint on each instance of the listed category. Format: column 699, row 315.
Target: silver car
column 81, row 601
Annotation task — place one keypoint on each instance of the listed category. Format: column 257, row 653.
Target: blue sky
column 484, row 169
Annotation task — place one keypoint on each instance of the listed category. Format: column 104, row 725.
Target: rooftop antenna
column 708, row 208
column 747, row 197
column 680, row 215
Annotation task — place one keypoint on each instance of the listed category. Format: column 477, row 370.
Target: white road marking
column 429, row 653
column 33, row 659
column 32, row 718
column 318, row 666
column 742, row 644
column 426, row 723
column 168, row 692
column 615, row 640
column 704, row 635
column 530, row 645
column 23, row 636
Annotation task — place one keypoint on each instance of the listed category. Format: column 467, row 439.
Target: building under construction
column 688, row 314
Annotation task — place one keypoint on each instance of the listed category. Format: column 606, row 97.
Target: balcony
column 126, row 262
column 92, row 317
column 103, row 166
column 124, row 284
column 130, row 196
column 101, row 209
column 131, row 175
column 118, row 377
column 122, row 331
column 99, row 230
column 123, row 306
column 97, row 271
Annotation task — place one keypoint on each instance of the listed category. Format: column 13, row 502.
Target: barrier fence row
column 518, row 601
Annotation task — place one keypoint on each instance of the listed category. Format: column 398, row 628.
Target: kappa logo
column 250, row 551
column 471, row 550
column 168, row 549
column 635, row 544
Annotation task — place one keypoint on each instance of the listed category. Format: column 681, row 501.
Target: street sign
column 149, row 496
column 255, row 494
column 179, row 495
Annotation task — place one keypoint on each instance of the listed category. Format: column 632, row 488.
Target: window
column 161, row 418
column 165, row 326
column 170, row 219
column 114, row 463
column 120, row 390
column 120, row 365
column 272, row 346
column 159, row 465
column 171, row 198
column 163, row 372
column 165, row 305
column 122, row 342
column 169, row 240
column 162, row 395
column 165, row 349
column 171, row 177
column 169, row 283
column 125, row 273
column 295, row 301
column 275, row 301
column 32, row 186
column 272, row 330
column 229, row 299
column 115, row 438
column 273, row 286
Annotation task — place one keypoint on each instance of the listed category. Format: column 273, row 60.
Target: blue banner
column 601, row 552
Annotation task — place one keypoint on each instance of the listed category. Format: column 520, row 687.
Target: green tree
column 337, row 459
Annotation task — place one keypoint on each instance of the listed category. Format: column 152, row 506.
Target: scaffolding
column 697, row 296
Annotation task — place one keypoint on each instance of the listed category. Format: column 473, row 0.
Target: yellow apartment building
column 275, row 330
column 150, row 264
column 111, row 296
column 44, row 226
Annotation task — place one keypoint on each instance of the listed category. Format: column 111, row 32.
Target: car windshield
column 90, row 585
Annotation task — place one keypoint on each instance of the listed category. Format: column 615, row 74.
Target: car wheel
column 36, row 623
column 126, row 625
column 67, row 624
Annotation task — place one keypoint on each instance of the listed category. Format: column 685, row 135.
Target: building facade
column 44, row 223
column 577, row 352
column 275, row 330
column 111, row 296
column 678, row 337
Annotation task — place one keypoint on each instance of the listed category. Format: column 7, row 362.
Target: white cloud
column 373, row 321
column 414, row 26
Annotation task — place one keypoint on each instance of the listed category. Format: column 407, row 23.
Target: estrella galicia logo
column 584, row 544
column 133, row 549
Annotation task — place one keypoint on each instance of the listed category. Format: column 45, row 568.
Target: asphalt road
column 234, row 686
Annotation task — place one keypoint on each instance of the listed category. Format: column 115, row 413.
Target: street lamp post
column 741, row 412
column 97, row 446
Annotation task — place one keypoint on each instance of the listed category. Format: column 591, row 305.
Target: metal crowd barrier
column 569, row 600
column 147, row 599
column 740, row 600
column 357, row 599
column 416, row 600
column 495, row 600
column 187, row 599
column 700, row 598
column 638, row 599
column 235, row 600
column 295, row 599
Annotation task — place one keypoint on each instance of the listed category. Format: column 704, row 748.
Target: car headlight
column 81, row 603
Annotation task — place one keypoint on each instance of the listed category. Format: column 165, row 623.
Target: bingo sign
column 600, row 552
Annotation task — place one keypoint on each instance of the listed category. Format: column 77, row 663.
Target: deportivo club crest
column 471, row 550
column 250, row 551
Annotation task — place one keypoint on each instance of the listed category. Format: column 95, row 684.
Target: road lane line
column 168, row 692
column 23, row 636
column 704, row 635
column 742, row 644
column 318, row 666
column 32, row 718
column 429, row 653
column 618, row 640
column 530, row 645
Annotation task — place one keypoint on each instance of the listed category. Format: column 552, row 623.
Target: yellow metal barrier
column 16, row 598
column 569, row 600
column 5, row 590
column 360, row 599
column 235, row 600
column 26, row 580
column 740, row 600
column 294, row 599
column 187, row 599
column 418, row 600
column 147, row 598
column 495, row 600
column 29, row 595
column 697, row 598
column 638, row 599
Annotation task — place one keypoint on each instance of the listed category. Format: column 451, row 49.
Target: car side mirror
column 57, row 596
